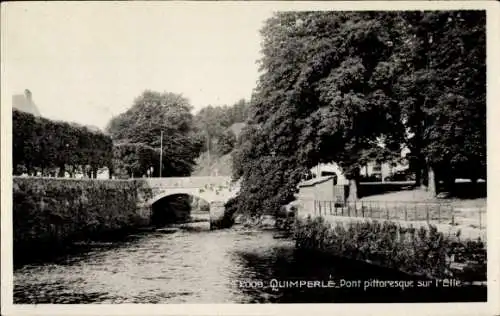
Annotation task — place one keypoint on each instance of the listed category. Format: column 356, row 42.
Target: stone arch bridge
column 215, row 190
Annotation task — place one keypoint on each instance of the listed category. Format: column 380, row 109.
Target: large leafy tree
column 442, row 87
column 352, row 87
column 226, row 142
column 238, row 112
column 322, row 97
column 135, row 160
column 212, row 124
column 151, row 114
column 212, row 120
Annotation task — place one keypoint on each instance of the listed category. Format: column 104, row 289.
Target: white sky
column 85, row 62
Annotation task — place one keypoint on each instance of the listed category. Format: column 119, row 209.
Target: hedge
column 424, row 252
column 42, row 144
column 52, row 212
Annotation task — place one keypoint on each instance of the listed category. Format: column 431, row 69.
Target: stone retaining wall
column 53, row 211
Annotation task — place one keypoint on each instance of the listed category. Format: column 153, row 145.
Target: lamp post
column 208, row 154
column 161, row 151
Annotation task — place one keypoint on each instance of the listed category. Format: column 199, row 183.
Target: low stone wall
column 54, row 211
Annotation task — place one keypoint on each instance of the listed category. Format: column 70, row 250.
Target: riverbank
column 421, row 252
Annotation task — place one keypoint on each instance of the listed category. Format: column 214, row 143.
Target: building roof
column 94, row 128
column 23, row 102
column 314, row 181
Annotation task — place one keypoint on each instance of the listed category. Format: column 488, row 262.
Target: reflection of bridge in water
column 214, row 190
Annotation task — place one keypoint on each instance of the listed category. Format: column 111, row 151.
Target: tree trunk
column 419, row 130
column 418, row 174
column 450, row 184
column 424, row 177
column 353, row 190
column 449, row 178
column 431, row 186
column 62, row 171
column 353, row 186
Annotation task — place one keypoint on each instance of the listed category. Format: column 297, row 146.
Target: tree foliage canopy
column 442, row 90
column 140, row 127
column 213, row 126
column 350, row 87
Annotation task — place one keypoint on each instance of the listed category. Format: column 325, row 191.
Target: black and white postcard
column 260, row 157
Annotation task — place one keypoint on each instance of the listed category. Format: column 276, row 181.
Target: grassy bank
column 50, row 213
column 422, row 251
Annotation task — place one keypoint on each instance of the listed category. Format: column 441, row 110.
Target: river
column 192, row 264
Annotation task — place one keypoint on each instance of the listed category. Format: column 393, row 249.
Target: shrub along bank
column 422, row 251
column 49, row 212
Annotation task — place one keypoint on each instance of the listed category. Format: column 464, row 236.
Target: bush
column 415, row 251
column 52, row 212
column 226, row 142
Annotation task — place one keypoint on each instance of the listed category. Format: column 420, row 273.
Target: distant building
column 330, row 169
column 379, row 171
column 320, row 196
column 373, row 170
column 24, row 102
column 102, row 173
column 94, row 128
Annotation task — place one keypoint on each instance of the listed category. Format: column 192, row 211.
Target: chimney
column 27, row 94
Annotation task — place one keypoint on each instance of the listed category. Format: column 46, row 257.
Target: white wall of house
column 384, row 169
column 330, row 167
column 101, row 174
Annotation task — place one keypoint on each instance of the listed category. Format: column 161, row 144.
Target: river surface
column 192, row 264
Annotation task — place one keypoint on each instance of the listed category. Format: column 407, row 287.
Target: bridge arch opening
column 179, row 208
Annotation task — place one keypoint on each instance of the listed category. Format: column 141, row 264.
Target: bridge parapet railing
column 191, row 182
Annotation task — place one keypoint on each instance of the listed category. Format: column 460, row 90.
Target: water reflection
column 338, row 281
column 190, row 264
